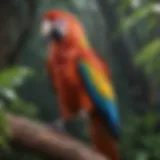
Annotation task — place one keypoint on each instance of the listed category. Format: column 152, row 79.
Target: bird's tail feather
column 102, row 140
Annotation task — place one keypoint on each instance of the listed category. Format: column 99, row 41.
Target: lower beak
column 56, row 35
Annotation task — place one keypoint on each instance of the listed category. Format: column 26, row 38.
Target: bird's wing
column 100, row 90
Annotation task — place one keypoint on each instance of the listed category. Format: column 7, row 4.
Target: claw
column 58, row 125
column 83, row 114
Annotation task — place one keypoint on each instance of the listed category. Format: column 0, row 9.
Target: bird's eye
column 61, row 22
column 61, row 25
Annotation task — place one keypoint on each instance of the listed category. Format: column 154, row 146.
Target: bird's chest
column 65, row 73
column 67, row 83
column 65, row 70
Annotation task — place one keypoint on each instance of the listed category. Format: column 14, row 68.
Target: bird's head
column 62, row 26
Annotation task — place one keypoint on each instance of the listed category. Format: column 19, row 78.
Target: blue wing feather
column 106, row 107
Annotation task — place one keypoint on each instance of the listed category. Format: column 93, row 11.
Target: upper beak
column 50, row 32
column 56, row 35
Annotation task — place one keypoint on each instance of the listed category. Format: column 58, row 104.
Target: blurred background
column 126, row 33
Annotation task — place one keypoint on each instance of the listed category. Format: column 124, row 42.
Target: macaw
column 81, row 79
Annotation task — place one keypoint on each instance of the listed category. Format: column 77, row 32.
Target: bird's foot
column 83, row 114
column 58, row 125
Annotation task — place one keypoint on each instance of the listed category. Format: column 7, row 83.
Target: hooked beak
column 56, row 35
column 50, row 32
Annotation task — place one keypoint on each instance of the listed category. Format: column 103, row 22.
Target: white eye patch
column 48, row 26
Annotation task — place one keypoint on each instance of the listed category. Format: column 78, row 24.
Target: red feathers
column 62, row 70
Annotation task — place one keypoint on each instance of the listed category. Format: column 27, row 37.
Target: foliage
column 10, row 79
column 149, row 57
column 10, row 101
column 140, row 134
column 136, row 17
column 140, row 139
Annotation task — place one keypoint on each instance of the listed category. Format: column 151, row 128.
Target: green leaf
column 14, row 76
column 3, row 143
column 10, row 94
column 23, row 108
column 136, row 17
column 149, row 52
column 5, row 131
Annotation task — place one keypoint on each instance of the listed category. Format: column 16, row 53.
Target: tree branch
column 41, row 139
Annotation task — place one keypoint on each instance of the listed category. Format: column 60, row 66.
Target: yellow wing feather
column 103, row 83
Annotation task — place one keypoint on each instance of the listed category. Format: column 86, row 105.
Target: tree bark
column 17, row 20
column 41, row 139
